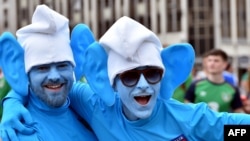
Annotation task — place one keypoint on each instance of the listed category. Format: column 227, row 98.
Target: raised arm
column 16, row 118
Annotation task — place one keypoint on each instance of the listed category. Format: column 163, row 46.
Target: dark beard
column 53, row 100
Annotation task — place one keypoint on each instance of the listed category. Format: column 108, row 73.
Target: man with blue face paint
column 51, row 82
column 49, row 65
column 138, row 90
column 142, row 109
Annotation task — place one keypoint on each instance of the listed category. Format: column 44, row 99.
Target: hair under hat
column 46, row 39
column 129, row 44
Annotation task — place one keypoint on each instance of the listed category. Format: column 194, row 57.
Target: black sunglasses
column 130, row 78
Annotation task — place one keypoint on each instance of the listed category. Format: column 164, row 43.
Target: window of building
column 225, row 19
column 241, row 19
column 106, row 15
column 200, row 25
column 5, row 20
column 173, row 15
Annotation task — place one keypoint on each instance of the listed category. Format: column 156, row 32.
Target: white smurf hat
column 129, row 44
column 46, row 39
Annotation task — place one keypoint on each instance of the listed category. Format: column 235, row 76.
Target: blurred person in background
column 180, row 91
column 245, row 90
column 200, row 74
column 227, row 73
column 214, row 90
column 244, row 82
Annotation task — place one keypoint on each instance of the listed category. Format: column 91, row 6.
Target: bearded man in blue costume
column 49, row 64
column 130, row 59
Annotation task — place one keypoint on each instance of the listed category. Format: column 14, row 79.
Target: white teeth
column 142, row 96
column 54, row 86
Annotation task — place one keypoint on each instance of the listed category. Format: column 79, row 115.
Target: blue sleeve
column 32, row 137
column 82, row 100
column 198, row 122
column 208, row 124
column 14, row 95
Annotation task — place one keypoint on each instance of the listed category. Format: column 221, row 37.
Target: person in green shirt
column 179, row 93
column 214, row 90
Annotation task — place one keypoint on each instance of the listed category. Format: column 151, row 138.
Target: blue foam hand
column 81, row 38
column 95, row 70
column 16, row 119
column 178, row 60
column 12, row 63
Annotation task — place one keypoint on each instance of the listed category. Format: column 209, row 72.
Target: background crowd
column 241, row 83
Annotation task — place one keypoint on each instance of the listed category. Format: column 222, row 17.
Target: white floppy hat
column 129, row 44
column 46, row 39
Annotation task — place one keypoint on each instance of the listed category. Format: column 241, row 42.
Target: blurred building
column 206, row 24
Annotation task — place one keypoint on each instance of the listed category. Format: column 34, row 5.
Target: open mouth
column 54, row 87
column 143, row 100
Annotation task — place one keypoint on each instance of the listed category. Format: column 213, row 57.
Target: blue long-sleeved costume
column 55, row 124
column 170, row 119
column 52, row 124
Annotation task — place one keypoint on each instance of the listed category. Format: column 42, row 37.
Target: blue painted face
column 138, row 100
column 52, row 82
